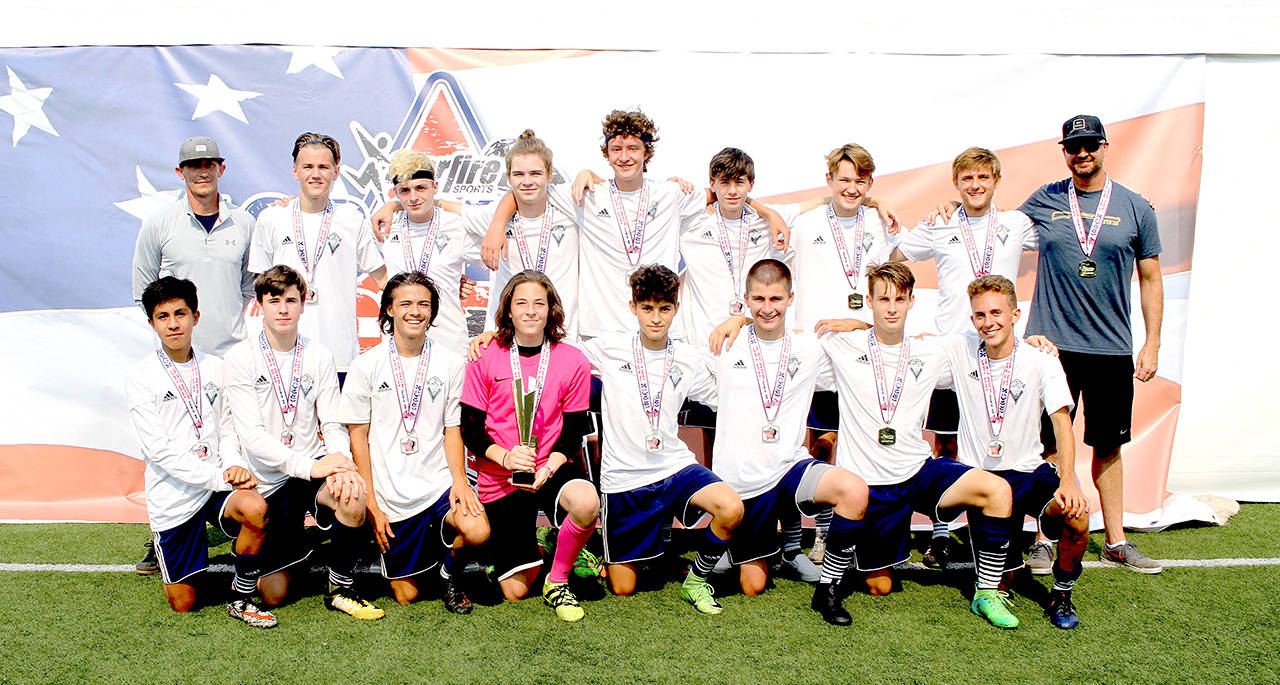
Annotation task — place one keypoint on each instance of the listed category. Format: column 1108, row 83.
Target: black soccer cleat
column 455, row 600
column 148, row 564
column 826, row 601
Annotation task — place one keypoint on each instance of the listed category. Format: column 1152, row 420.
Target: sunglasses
column 1075, row 146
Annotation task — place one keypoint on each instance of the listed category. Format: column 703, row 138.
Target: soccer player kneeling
column 194, row 471
column 283, row 392
column 401, row 406
column 646, row 473
column 1003, row 386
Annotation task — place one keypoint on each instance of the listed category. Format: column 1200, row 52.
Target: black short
column 697, row 414
column 944, row 412
column 1105, row 384
column 513, row 520
column 824, row 411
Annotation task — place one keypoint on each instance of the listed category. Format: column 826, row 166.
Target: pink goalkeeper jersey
column 488, row 387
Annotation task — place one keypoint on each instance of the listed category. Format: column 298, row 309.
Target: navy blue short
column 420, row 541
column 757, row 536
column 633, row 519
column 287, row 508
column 513, row 522
column 1032, row 493
column 944, row 412
column 885, row 537
column 183, row 550
column 824, row 411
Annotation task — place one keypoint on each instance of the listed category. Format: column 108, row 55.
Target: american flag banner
column 89, row 139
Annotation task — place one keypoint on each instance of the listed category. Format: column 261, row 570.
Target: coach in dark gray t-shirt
column 1092, row 232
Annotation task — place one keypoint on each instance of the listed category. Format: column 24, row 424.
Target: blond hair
column 855, row 154
column 407, row 161
column 529, row 144
column 975, row 158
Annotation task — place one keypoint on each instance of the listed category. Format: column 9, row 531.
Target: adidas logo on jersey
column 262, row 380
column 955, row 240
column 739, row 364
column 973, row 375
column 707, row 234
column 602, row 212
column 819, row 241
column 384, row 387
column 626, row 368
column 395, row 238
column 863, row 360
column 287, row 241
column 168, row 396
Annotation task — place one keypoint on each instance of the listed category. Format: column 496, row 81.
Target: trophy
column 526, row 408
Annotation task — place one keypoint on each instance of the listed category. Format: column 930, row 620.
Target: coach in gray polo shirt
column 205, row 239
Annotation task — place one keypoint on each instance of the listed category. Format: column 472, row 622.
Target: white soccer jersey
column 821, row 287
column 625, row 462
column 859, row 449
column 178, row 482
column 562, row 252
column 405, row 484
column 1038, row 386
column 708, row 289
column 260, row 423
column 349, row 251
column 741, row 456
column 454, row 246
column 945, row 244
column 603, row 264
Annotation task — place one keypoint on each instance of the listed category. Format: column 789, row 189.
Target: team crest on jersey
column 653, row 211
column 434, row 386
column 442, row 241
column 211, row 392
column 676, row 376
column 793, row 366
column 306, row 382
column 1016, row 390
column 754, row 235
column 916, row 365
column 557, row 233
column 334, row 241
column 1002, row 232
column 867, row 239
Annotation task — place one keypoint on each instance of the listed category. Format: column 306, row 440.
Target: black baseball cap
column 1082, row 126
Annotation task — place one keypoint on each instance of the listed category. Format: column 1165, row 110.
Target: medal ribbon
column 544, row 362
column 288, row 400
column 632, row 238
column 770, row 400
column 852, row 265
column 1099, row 216
column 652, row 405
column 544, row 240
column 996, row 404
column 409, row 403
column 299, row 240
column 406, row 244
column 983, row 268
column 888, row 400
column 736, row 264
column 191, row 400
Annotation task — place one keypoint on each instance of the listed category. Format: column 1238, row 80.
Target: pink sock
column 569, row 543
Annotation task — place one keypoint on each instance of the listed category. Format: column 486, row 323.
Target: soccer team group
column 626, row 307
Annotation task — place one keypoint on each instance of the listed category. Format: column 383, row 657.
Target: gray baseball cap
column 199, row 147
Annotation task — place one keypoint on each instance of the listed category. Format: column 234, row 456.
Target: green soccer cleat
column 698, row 592
column 588, row 565
column 993, row 605
column 561, row 598
column 546, row 537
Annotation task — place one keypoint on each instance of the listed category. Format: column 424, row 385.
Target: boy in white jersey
column 423, row 238
column 283, row 392
column 401, row 406
column 1003, row 387
column 978, row 240
column 647, row 474
column 194, row 471
column 329, row 243
column 765, row 382
column 884, row 380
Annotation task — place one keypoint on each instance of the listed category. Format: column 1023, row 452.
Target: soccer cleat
column 938, row 554
column 455, row 600
column 559, row 597
column 698, row 592
column 803, row 567
column 349, row 602
column 588, row 565
column 1129, row 557
column 993, row 605
column 546, row 537
column 1040, row 558
column 148, row 564
column 826, row 601
column 247, row 611
column 819, row 550
column 1061, row 612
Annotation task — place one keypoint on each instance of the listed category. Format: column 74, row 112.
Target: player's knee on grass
column 182, row 597
column 753, row 576
column 404, row 590
column 516, row 586
column 880, row 582
column 273, row 588
column 622, row 579
column 581, row 501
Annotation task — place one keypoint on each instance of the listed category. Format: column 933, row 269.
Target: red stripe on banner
column 427, row 60
column 58, row 483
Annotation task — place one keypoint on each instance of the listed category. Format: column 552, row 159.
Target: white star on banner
column 216, row 96
column 314, row 56
column 149, row 200
column 26, row 105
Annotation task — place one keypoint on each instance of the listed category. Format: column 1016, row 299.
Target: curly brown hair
column 620, row 123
